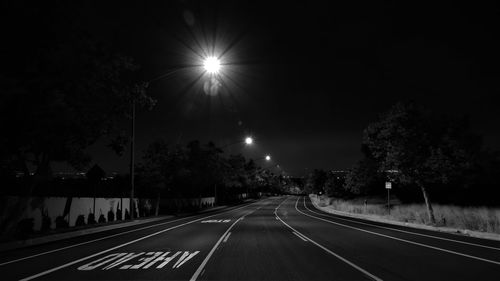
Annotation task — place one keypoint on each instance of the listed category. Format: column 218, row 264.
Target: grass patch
column 485, row 219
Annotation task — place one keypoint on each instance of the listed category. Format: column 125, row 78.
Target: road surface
column 280, row 238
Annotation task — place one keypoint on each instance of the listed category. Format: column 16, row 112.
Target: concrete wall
column 34, row 207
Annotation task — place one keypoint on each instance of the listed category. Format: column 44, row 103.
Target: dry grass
column 471, row 218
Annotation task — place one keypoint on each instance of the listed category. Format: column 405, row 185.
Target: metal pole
column 132, row 139
column 388, row 201
column 215, row 195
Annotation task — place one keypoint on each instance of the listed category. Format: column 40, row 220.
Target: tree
column 364, row 177
column 334, row 185
column 420, row 148
column 62, row 91
column 315, row 181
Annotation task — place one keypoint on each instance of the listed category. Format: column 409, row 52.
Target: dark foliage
column 61, row 222
column 80, row 220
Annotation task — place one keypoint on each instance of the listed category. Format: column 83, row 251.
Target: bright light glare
column 248, row 140
column 211, row 64
column 268, row 157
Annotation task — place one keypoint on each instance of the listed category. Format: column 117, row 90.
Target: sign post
column 388, row 186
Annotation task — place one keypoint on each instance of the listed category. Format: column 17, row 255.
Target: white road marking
column 106, row 237
column 123, row 245
column 398, row 239
column 327, row 250
column 202, row 265
column 216, row 221
column 185, row 258
column 146, row 260
column 95, row 264
column 296, row 234
column 409, row 232
column 227, row 237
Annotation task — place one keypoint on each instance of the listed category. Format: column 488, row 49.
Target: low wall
column 15, row 209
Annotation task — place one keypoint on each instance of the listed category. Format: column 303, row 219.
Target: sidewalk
column 68, row 233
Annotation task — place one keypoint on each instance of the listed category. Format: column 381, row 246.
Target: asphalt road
column 282, row 238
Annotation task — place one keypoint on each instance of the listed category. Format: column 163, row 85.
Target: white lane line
column 99, row 239
column 398, row 239
column 296, row 234
column 122, row 245
column 227, row 237
column 331, row 252
column 404, row 231
column 202, row 265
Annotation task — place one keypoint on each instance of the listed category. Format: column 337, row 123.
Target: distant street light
column 211, row 65
column 249, row 140
column 268, row 157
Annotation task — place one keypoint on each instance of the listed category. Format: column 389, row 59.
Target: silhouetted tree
column 420, row 148
column 364, row 177
column 315, row 181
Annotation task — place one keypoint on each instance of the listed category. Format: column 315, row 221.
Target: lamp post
column 211, row 66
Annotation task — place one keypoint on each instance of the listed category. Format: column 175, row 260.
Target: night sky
column 303, row 78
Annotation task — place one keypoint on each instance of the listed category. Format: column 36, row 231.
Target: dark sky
column 303, row 77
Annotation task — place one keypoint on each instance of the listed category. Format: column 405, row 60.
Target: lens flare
column 211, row 65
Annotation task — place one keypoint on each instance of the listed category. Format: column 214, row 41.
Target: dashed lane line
column 398, row 239
column 121, row 245
column 404, row 231
column 368, row 274
column 100, row 239
column 207, row 258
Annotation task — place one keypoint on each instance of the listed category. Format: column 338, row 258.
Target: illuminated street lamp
column 248, row 140
column 211, row 65
column 268, row 157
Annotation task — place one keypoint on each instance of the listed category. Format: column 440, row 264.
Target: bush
column 80, row 220
column 46, row 223
column 127, row 215
column 111, row 215
column 25, row 227
column 91, row 219
column 119, row 214
column 102, row 219
column 61, row 222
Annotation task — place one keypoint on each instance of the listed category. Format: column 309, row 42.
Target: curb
column 456, row 231
column 6, row 246
column 70, row 234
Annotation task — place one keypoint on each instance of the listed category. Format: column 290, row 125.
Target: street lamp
column 248, row 140
column 211, row 65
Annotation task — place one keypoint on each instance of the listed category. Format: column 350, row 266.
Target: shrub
column 46, row 222
column 91, row 219
column 102, row 219
column 127, row 215
column 80, row 220
column 25, row 227
column 111, row 215
column 61, row 222
column 119, row 214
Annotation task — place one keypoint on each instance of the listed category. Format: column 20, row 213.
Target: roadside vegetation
column 440, row 172
column 485, row 219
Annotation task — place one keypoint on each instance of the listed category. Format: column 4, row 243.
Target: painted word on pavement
column 142, row 260
column 215, row 221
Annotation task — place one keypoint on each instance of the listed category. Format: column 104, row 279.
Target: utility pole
column 132, row 139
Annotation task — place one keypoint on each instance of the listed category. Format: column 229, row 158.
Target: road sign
column 388, row 185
